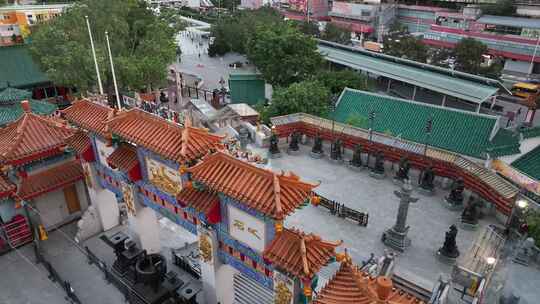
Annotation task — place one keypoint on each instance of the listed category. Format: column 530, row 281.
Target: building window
column 10, row 28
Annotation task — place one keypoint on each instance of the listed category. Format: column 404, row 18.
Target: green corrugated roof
column 13, row 112
column 11, row 95
column 18, row 68
column 439, row 82
column 246, row 88
column 463, row 132
column 530, row 132
column 529, row 163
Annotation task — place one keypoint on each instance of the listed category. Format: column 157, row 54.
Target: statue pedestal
column 396, row 240
column 446, row 257
column 274, row 155
column 355, row 168
column 377, row 175
column 293, row 152
column 316, row 155
column 454, row 206
column 426, row 192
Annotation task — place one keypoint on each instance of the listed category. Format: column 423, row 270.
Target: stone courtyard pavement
column 428, row 218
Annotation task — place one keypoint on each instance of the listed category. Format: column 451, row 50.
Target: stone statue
column 456, row 192
column 379, row 163
column 317, row 146
column 396, row 237
column 426, row 181
column 295, row 139
column 274, row 140
column 357, row 156
column 450, row 249
column 525, row 252
column 470, row 213
column 336, row 152
column 403, row 170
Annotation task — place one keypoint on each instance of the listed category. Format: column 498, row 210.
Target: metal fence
column 55, row 277
column 343, row 211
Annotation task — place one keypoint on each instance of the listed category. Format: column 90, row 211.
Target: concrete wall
column 53, row 209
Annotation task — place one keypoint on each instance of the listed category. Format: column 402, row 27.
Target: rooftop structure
column 246, row 88
column 529, row 163
column 18, row 69
column 350, row 285
column 275, row 195
column 464, row 86
column 31, row 138
column 451, row 128
column 300, row 254
column 89, row 116
column 162, row 137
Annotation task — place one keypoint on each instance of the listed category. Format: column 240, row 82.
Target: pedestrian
column 199, row 55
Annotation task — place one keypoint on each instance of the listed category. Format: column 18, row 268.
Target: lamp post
column 429, row 127
column 518, row 210
column 371, row 121
column 333, row 108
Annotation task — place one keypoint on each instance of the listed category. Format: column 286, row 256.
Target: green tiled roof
column 530, row 132
column 529, row 163
column 458, row 131
column 505, row 142
column 13, row 112
column 11, row 95
column 18, row 68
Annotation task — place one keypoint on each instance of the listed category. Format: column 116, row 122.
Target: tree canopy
column 283, row 54
column 501, row 8
column 142, row 45
column 336, row 81
column 469, row 53
column 231, row 33
column 406, row 47
column 308, row 96
column 336, row 34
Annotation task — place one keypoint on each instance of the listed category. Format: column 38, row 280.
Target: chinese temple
column 11, row 108
column 39, row 171
column 235, row 209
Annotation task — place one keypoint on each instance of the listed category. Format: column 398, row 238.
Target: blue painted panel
column 167, row 213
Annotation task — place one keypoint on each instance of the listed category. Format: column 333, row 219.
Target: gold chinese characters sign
column 205, row 246
column 129, row 200
column 283, row 289
column 164, row 178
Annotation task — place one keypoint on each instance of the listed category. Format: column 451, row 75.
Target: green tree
column 231, row 33
column 336, row 34
column 283, row 54
column 308, row 96
column 408, row 47
column 533, row 222
column 3, row 2
column 336, row 81
column 142, row 45
column 469, row 55
column 173, row 18
column 308, row 28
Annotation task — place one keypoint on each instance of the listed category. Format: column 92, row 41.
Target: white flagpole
column 94, row 54
column 113, row 74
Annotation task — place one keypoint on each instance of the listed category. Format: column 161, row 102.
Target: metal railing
column 55, row 277
column 343, row 211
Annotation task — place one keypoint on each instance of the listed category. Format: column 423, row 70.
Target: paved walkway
column 428, row 218
column 87, row 280
column 24, row 282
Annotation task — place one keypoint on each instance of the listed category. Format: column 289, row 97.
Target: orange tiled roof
column 276, row 195
column 162, row 137
column 51, row 179
column 202, row 201
column 31, row 135
column 350, row 285
column 89, row 115
column 79, row 141
column 6, row 186
column 299, row 253
column 124, row 157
